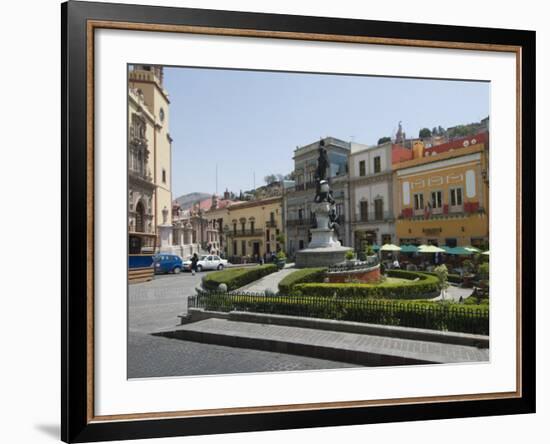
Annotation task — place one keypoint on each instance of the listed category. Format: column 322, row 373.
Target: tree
column 424, row 132
column 435, row 132
column 270, row 178
column 290, row 176
column 383, row 140
column 440, row 130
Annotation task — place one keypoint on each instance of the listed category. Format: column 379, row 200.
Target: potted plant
column 281, row 259
column 350, row 256
column 467, row 273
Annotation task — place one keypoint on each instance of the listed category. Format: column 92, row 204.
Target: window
column 362, row 169
column 163, row 175
column 386, row 239
column 300, row 214
column 364, row 210
column 252, row 226
column 436, row 199
column 272, row 217
column 243, row 227
column 301, row 244
column 235, row 248
column 267, row 235
column 377, row 164
column 418, row 201
column 243, row 248
column 378, row 209
column 450, row 242
column 456, row 197
column 235, row 233
column 161, row 115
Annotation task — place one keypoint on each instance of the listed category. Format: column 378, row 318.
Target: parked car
column 206, row 262
column 167, row 263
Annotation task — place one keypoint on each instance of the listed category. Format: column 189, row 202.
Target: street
column 154, row 306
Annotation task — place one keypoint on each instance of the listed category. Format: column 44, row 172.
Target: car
column 167, row 263
column 207, row 262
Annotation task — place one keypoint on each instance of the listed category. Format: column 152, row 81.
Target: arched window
column 140, row 213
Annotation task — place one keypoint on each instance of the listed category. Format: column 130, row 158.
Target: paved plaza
column 153, row 306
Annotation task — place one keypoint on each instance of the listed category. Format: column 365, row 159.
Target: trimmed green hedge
column 302, row 276
column 425, row 287
column 445, row 316
column 236, row 277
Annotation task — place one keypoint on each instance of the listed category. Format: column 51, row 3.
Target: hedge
column 302, row 276
column 425, row 287
column 445, row 316
column 236, row 277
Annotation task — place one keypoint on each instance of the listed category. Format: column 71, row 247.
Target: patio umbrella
column 430, row 249
column 390, row 247
column 473, row 249
column 375, row 247
column 446, row 248
column 486, row 253
column 462, row 251
column 409, row 249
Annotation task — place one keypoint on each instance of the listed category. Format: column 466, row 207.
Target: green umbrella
column 375, row 247
column 462, row 251
column 446, row 248
column 409, row 249
column 473, row 249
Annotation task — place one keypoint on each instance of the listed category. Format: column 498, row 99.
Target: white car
column 209, row 262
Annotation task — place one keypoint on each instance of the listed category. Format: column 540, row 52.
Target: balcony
column 246, row 233
column 271, row 224
column 384, row 216
column 298, row 222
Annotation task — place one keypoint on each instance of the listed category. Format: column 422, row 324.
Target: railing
column 298, row 222
column 246, row 233
column 460, row 318
column 271, row 224
column 355, row 265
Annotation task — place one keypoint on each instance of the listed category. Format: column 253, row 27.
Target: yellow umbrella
column 430, row 249
column 486, row 253
column 390, row 247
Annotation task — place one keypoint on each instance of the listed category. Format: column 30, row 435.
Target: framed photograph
column 275, row 221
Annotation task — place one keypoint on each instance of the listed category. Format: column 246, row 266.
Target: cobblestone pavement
column 152, row 356
column 417, row 350
column 154, row 306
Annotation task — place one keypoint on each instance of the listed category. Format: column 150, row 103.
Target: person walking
column 194, row 261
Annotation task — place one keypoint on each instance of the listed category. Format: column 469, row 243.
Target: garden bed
column 236, row 277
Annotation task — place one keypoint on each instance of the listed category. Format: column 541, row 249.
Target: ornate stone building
column 298, row 199
column 149, row 158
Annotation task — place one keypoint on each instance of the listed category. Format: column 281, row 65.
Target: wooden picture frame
column 79, row 22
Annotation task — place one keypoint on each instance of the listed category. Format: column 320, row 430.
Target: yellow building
column 441, row 195
column 250, row 228
column 149, row 158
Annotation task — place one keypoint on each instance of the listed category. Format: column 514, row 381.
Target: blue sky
column 250, row 121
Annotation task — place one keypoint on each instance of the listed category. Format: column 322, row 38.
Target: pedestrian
column 194, row 261
column 396, row 264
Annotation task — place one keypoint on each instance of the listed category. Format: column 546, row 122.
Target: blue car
column 167, row 263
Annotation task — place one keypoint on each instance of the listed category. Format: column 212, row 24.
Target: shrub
column 349, row 255
column 483, row 269
column 236, row 277
column 418, row 314
column 425, row 287
column 451, row 277
column 286, row 286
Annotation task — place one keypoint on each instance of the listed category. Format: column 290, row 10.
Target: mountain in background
column 186, row 201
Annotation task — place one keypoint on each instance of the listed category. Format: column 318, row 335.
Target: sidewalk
column 361, row 349
column 269, row 282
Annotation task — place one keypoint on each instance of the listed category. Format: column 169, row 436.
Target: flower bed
column 236, row 277
column 418, row 286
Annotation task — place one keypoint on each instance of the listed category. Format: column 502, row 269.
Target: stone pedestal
column 324, row 249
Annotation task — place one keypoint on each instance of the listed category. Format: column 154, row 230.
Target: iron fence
column 443, row 317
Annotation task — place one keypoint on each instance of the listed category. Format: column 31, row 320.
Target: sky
column 248, row 123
